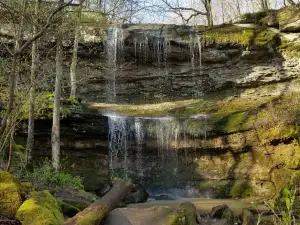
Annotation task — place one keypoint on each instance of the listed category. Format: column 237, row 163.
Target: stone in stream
column 164, row 197
column 184, row 215
column 217, row 212
column 138, row 195
column 223, row 212
column 247, row 217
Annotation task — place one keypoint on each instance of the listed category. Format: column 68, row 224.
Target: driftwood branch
column 96, row 212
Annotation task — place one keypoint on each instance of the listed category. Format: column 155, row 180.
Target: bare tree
column 20, row 47
column 34, row 66
column 192, row 11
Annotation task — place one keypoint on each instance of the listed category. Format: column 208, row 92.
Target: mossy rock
column 40, row 209
column 184, row 215
column 250, row 18
column 241, row 189
column 289, row 19
column 10, row 194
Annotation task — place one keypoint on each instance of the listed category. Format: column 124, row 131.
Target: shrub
column 46, row 175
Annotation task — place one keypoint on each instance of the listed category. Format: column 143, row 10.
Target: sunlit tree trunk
column 75, row 52
column 209, row 14
column 55, row 136
column 33, row 72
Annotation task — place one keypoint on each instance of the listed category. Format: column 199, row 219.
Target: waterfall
column 195, row 48
column 118, row 145
column 114, row 50
column 139, row 136
column 117, row 125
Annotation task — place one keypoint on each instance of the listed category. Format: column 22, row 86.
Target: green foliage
column 46, row 175
column 44, row 105
column 284, row 206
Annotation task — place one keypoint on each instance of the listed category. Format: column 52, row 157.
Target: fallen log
column 96, row 212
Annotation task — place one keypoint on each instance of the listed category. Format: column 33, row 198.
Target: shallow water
column 155, row 212
column 203, row 205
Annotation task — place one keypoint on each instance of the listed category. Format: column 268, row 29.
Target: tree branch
column 44, row 28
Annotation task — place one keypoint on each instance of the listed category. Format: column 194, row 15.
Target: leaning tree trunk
column 96, row 212
column 34, row 65
column 55, row 135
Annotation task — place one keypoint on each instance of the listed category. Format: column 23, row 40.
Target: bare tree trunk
column 209, row 14
column 75, row 51
column 96, row 212
column 55, row 136
column 238, row 7
column 34, row 65
column 264, row 5
column 223, row 14
column 10, row 151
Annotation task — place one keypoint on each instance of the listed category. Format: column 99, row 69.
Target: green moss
column 10, row 194
column 265, row 38
column 277, row 132
column 228, row 34
column 232, row 122
column 40, row 209
column 241, row 189
column 93, row 217
column 290, row 48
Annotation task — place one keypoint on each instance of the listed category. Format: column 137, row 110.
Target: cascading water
column 114, row 50
column 117, row 125
column 148, row 149
column 153, row 151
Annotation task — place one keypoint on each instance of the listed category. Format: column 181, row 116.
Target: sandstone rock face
column 233, row 152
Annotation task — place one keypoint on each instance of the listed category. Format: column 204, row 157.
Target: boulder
column 291, row 27
column 10, row 194
column 217, row 212
column 138, row 195
column 184, row 215
column 247, row 217
column 249, row 18
column 228, row 215
column 268, row 220
column 40, row 209
column 289, row 19
column 214, row 56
